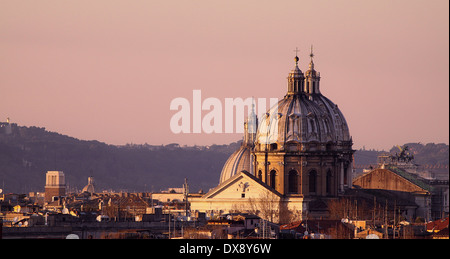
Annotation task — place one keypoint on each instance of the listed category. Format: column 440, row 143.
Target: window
column 260, row 175
column 273, row 146
column 273, row 177
column 243, row 195
column 329, row 183
column 312, row 181
column 293, row 181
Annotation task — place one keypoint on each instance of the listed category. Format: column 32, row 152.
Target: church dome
column 240, row 160
column 298, row 118
column 303, row 115
column 237, row 162
column 90, row 186
column 301, row 145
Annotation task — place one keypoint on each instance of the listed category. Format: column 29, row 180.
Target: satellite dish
column 372, row 236
column 72, row 236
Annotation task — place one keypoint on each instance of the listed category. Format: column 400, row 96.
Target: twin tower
column 307, row 83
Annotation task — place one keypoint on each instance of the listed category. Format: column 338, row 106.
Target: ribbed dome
column 303, row 118
column 90, row 186
column 237, row 162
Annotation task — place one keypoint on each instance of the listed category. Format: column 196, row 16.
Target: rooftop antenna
column 186, row 194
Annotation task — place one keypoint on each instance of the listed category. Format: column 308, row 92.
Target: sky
column 108, row 70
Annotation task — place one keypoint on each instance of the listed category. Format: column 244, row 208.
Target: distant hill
column 29, row 152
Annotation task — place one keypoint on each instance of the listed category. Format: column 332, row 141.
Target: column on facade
column 341, row 178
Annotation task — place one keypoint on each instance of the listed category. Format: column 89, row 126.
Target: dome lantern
column 312, row 77
column 295, row 79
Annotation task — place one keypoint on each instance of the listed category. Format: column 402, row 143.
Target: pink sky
column 108, row 70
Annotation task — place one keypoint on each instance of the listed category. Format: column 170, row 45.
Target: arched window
column 293, row 181
column 345, row 173
column 311, row 122
column 327, row 126
column 260, row 175
column 273, row 146
column 273, row 177
column 312, row 181
column 329, row 182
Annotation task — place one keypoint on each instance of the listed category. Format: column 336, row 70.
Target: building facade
column 430, row 195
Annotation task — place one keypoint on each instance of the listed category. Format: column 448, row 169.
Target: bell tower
column 55, row 185
column 250, row 128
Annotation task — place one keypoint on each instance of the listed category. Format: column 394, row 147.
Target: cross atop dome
column 311, row 63
column 296, row 56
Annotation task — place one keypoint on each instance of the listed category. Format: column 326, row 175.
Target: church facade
column 298, row 154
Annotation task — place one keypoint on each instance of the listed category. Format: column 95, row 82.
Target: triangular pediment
column 241, row 185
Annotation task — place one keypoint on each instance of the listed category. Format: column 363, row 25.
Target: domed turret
column 312, row 79
column 295, row 79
